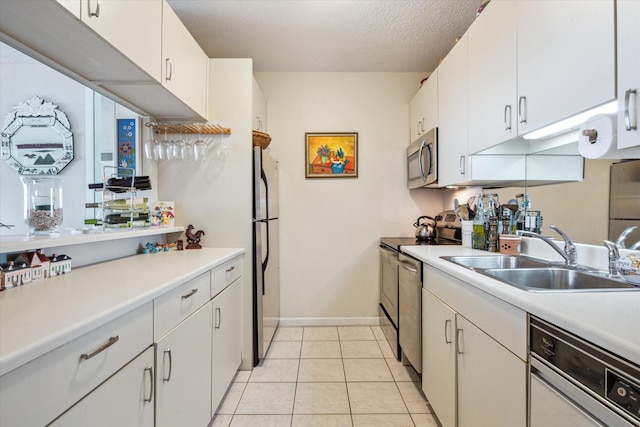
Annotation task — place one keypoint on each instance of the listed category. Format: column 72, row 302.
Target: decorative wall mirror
column 37, row 138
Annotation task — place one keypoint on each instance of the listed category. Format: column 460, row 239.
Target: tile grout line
column 345, row 382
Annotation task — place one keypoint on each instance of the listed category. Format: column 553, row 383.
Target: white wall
column 20, row 78
column 330, row 228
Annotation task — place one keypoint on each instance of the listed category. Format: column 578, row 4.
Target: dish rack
column 122, row 206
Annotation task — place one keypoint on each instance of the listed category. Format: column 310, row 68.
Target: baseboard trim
column 329, row 321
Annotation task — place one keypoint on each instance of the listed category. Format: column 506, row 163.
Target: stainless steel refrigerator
column 266, row 270
column 624, row 201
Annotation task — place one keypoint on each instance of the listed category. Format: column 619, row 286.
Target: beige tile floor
column 326, row 376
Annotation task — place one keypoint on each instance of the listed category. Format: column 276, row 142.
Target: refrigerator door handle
column 266, row 220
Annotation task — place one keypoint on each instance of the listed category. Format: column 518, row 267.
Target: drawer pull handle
column 230, row 269
column 150, row 371
column 218, row 317
column 168, row 351
column 112, row 341
column 190, row 294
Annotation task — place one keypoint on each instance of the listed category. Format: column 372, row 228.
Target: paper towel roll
column 604, row 144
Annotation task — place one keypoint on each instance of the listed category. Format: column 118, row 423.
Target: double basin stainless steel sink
column 536, row 275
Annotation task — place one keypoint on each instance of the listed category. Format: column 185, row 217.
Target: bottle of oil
column 479, row 240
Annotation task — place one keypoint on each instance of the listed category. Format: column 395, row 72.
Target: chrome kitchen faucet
column 570, row 253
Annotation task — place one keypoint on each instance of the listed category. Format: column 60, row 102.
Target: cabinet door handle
column 507, row 117
column 522, row 109
column 462, row 165
column 168, row 69
column 168, row 378
column 627, row 117
column 218, row 317
column 190, row 294
column 459, row 339
column 103, row 347
column 447, row 331
column 150, row 371
column 95, row 13
column 422, row 125
column 230, row 269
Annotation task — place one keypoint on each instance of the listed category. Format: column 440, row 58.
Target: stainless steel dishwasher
column 575, row 383
column 410, row 302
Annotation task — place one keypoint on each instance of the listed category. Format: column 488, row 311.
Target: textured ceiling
column 329, row 35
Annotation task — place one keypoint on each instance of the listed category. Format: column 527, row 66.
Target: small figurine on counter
column 193, row 239
column 59, row 264
column 151, row 247
column 180, row 245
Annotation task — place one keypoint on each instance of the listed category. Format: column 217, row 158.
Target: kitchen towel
column 604, row 144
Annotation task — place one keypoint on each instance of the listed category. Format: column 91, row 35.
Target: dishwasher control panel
column 623, row 393
column 598, row 372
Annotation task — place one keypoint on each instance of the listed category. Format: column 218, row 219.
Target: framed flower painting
column 331, row 155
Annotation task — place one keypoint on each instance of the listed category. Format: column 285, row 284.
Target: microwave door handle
column 420, row 166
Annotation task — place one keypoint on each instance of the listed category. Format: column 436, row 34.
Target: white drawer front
column 37, row 392
column 225, row 274
column 176, row 305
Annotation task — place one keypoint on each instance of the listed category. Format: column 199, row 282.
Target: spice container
column 43, row 204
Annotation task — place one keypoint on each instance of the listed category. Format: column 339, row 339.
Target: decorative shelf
column 18, row 243
column 189, row 128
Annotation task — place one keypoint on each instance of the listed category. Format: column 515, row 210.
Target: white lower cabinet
column 58, row 379
column 125, row 399
column 165, row 363
column 491, row 380
column 183, row 378
column 227, row 340
column 439, row 358
column 468, row 376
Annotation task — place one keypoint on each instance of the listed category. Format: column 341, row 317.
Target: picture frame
column 127, row 147
column 331, row 154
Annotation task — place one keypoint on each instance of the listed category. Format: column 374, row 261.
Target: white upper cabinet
column 534, row 63
column 133, row 27
column 117, row 48
column 452, row 116
column 184, row 64
column 424, row 107
column 492, row 76
column 566, row 59
column 628, row 73
column 72, row 5
column 259, row 109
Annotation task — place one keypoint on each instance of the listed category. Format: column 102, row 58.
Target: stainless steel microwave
column 422, row 160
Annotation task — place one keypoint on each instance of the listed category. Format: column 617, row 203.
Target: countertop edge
column 573, row 318
column 17, row 357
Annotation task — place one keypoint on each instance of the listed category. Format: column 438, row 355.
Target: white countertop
column 38, row 317
column 610, row 319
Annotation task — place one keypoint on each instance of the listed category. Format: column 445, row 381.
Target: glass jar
column 43, row 204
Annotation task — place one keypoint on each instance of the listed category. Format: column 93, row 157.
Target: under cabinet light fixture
column 571, row 123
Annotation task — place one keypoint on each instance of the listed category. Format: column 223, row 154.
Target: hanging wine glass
column 163, row 146
column 149, row 144
column 199, row 146
column 183, row 148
